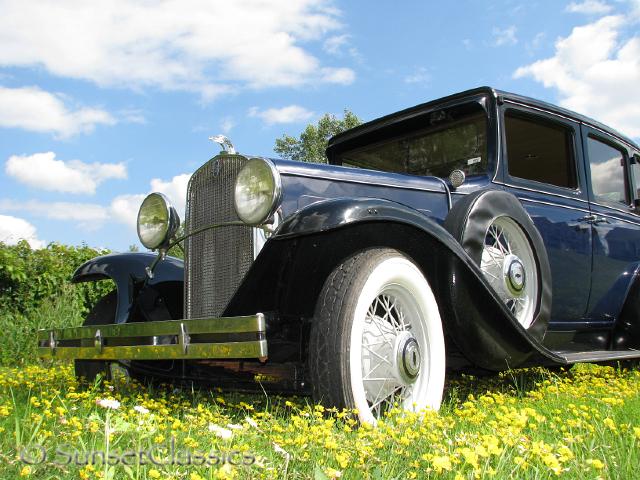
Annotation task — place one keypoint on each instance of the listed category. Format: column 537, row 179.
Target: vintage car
column 483, row 229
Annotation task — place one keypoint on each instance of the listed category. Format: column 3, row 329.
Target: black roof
column 345, row 139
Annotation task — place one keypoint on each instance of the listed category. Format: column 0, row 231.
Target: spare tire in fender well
column 469, row 221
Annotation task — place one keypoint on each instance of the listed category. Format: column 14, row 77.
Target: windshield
column 448, row 139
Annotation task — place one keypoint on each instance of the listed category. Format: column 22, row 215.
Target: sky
column 102, row 103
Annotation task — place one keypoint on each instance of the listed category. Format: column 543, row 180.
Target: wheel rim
column 509, row 265
column 397, row 350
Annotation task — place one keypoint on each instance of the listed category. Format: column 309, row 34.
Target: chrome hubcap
column 407, row 357
column 509, row 265
column 514, row 275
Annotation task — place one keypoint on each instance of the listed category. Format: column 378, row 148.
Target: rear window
column 453, row 138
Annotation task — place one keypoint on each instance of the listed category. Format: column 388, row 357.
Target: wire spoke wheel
column 508, row 263
column 377, row 341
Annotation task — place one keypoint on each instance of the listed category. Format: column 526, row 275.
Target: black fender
column 626, row 332
column 289, row 272
column 159, row 298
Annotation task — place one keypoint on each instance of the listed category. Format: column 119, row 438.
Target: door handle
column 594, row 219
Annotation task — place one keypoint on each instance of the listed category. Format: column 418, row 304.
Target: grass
column 579, row 423
column 18, row 332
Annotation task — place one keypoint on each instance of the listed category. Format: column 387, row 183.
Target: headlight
column 157, row 221
column 257, row 191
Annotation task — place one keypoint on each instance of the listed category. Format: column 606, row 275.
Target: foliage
column 526, row 424
column 312, row 143
column 35, row 292
column 28, row 277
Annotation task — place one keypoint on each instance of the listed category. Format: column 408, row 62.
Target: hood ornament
column 225, row 143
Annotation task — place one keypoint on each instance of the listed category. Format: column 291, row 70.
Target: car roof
column 348, row 137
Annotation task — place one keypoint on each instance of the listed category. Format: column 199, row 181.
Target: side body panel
column 616, row 237
column 561, row 216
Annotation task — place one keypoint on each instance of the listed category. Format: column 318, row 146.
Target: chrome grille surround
column 216, row 260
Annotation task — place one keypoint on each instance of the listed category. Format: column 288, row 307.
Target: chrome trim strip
column 362, row 182
column 559, row 205
column 627, row 220
column 542, row 192
column 538, row 109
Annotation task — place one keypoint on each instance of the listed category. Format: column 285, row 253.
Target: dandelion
column 153, row 473
column 108, row 403
column 441, row 463
column 26, row 471
column 595, row 463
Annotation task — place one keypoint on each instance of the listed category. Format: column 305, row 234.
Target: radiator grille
column 215, row 260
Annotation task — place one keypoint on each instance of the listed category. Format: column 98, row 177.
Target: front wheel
column 377, row 341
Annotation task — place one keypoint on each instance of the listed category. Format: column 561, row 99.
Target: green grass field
column 582, row 423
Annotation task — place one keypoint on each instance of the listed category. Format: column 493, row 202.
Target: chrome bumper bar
column 214, row 338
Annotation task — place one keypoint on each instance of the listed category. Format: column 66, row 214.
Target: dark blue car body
column 589, row 227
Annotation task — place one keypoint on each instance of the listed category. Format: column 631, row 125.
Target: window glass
column 448, row 139
column 540, row 151
column 607, row 172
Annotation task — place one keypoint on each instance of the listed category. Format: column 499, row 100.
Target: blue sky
column 100, row 105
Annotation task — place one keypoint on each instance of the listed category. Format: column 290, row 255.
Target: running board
column 596, row 355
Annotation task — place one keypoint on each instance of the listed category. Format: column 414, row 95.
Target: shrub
column 35, row 292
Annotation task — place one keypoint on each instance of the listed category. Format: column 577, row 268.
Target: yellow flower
column 595, row 463
column 342, row 459
column 441, row 463
column 153, row 473
column 25, row 471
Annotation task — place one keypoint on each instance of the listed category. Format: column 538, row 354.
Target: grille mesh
column 215, row 260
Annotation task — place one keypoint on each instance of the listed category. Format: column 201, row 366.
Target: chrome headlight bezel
column 167, row 227
column 252, row 215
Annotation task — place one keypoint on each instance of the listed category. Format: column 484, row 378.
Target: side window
column 540, row 151
column 608, row 179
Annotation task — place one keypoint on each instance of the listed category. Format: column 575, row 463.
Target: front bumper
column 211, row 338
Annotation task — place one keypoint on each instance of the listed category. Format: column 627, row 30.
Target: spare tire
column 497, row 233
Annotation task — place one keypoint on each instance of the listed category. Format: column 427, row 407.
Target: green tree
column 312, row 143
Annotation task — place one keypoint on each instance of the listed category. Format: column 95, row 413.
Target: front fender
column 127, row 270
column 311, row 242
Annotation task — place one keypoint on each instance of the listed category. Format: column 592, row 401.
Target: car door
column 615, row 223
column 540, row 166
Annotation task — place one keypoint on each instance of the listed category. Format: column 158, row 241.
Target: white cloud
column 227, row 124
column 419, row 76
column 33, row 109
column 589, row 7
column 42, row 170
column 193, row 45
column 14, row 229
column 334, row 45
column 91, row 216
column 88, row 216
column 595, row 73
column 342, row 76
column 504, row 36
column 124, row 208
column 290, row 114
